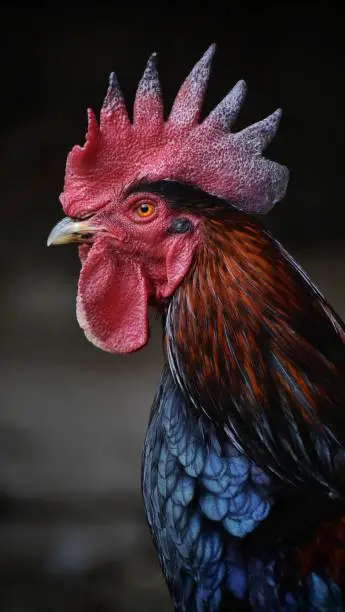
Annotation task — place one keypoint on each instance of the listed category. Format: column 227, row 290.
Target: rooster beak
column 69, row 230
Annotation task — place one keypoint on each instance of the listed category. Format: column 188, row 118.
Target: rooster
column 243, row 475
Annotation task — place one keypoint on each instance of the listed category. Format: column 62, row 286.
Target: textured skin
column 118, row 153
column 107, row 284
column 121, row 272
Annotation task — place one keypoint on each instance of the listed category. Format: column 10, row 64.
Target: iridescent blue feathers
column 203, row 500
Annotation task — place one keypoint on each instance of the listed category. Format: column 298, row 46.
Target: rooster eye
column 146, row 209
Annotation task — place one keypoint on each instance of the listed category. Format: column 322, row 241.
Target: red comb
column 118, row 153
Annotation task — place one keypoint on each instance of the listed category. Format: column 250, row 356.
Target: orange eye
column 146, row 209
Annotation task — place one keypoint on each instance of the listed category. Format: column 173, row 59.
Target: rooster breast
column 203, row 500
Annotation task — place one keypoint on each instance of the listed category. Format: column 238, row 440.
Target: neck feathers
column 252, row 343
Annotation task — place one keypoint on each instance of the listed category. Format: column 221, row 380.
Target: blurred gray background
column 73, row 536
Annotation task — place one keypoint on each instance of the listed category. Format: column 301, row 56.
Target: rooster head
column 133, row 196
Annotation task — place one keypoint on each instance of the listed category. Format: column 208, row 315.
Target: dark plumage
column 243, row 465
column 245, row 442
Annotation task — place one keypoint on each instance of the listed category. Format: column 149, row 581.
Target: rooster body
column 242, row 519
column 243, row 465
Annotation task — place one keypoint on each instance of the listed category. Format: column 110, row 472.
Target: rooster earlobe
column 178, row 262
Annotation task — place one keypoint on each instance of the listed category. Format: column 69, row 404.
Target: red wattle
column 112, row 300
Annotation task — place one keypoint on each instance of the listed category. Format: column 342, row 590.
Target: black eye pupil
column 144, row 208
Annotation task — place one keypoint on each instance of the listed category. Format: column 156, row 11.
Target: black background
column 72, row 526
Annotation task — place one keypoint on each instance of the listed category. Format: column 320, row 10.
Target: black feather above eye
column 180, row 226
column 183, row 197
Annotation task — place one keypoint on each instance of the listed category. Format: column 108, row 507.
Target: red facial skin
column 135, row 261
column 130, row 260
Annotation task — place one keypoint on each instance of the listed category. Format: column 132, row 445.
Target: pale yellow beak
column 68, row 230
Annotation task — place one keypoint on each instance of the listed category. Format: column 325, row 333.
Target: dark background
column 72, row 532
